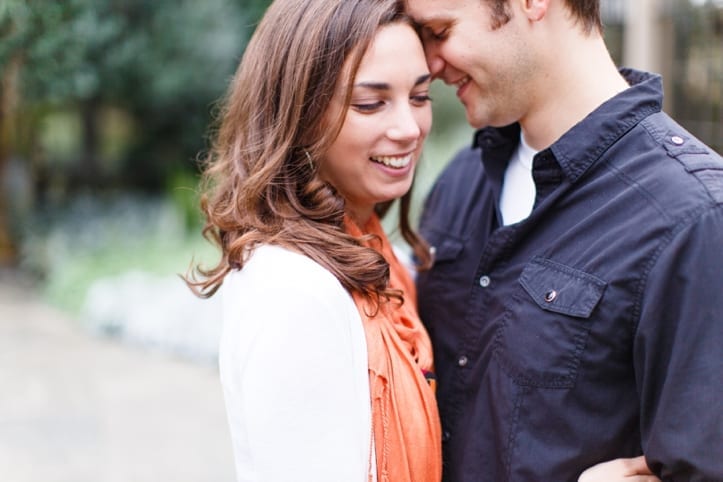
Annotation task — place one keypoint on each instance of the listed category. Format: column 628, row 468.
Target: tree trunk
column 90, row 172
column 9, row 97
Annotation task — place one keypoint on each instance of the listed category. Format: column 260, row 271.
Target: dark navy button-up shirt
column 593, row 329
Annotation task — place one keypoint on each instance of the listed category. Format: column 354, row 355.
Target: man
column 576, row 301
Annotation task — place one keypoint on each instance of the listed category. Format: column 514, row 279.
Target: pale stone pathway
column 78, row 408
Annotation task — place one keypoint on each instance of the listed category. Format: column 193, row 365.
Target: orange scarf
column 405, row 421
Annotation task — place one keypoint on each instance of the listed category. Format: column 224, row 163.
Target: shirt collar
column 581, row 146
column 584, row 143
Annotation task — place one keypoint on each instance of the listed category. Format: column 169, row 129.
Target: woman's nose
column 404, row 125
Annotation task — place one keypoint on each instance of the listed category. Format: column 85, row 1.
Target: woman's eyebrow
column 422, row 79
column 385, row 86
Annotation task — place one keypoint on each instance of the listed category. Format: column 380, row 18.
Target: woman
column 323, row 357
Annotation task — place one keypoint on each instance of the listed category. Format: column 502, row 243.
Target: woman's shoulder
column 279, row 280
column 283, row 298
column 271, row 256
column 275, row 267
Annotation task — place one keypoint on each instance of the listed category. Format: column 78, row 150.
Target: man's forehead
column 424, row 12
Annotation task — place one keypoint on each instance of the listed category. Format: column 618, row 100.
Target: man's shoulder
column 676, row 139
column 486, row 156
column 697, row 160
column 465, row 161
column 464, row 190
column 460, row 175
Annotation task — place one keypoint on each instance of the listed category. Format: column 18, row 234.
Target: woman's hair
column 260, row 180
column 587, row 12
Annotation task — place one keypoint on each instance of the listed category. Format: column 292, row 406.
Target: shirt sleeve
column 294, row 372
column 679, row 355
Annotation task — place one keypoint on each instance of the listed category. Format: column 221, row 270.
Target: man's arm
column 678, row 354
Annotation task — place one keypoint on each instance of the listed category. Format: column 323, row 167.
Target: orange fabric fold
column 405, row 420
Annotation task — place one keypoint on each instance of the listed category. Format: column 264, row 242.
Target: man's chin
column 474, row 121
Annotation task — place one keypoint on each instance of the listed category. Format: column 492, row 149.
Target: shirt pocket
column 544, row 332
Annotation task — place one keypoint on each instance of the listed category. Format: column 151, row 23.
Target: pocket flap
column 447, row 249
column 561, row 289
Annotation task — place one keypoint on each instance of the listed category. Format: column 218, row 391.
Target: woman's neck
column 360, row 216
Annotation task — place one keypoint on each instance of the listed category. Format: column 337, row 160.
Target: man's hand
column 627, row 470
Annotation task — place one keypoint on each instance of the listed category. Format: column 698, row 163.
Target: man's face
column 491, row 65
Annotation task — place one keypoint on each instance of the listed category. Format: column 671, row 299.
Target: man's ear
column 535, row 10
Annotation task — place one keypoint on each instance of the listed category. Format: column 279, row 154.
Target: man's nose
column 435, row 62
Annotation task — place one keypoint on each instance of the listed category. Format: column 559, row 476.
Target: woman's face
column 374, row 156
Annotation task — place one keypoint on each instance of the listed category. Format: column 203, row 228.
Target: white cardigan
column 293, row 366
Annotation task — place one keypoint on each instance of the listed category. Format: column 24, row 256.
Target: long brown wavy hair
column 260, row 182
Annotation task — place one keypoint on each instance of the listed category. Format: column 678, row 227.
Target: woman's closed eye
column 370, row 106
column 420, row 99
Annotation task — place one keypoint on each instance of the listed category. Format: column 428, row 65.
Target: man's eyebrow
column 418, row 24
column 423, row 22
column 385, row 86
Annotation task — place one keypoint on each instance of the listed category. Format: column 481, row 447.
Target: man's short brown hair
column 587, row 12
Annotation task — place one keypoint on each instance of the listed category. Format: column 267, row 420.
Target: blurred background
column 106, row 359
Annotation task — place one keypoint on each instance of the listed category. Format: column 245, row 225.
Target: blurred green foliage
column 94, row 237
column 108, row 96
column 162, row 63
column 102, row 98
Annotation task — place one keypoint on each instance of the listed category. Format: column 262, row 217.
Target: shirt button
column 446, row 436
column 484, row 281
column 462, row 361
column 550, row 296
column 677, row 140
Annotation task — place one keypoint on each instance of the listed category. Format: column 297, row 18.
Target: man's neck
column 579, row 77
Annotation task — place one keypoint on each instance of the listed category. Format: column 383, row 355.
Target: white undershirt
column 518, row 187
